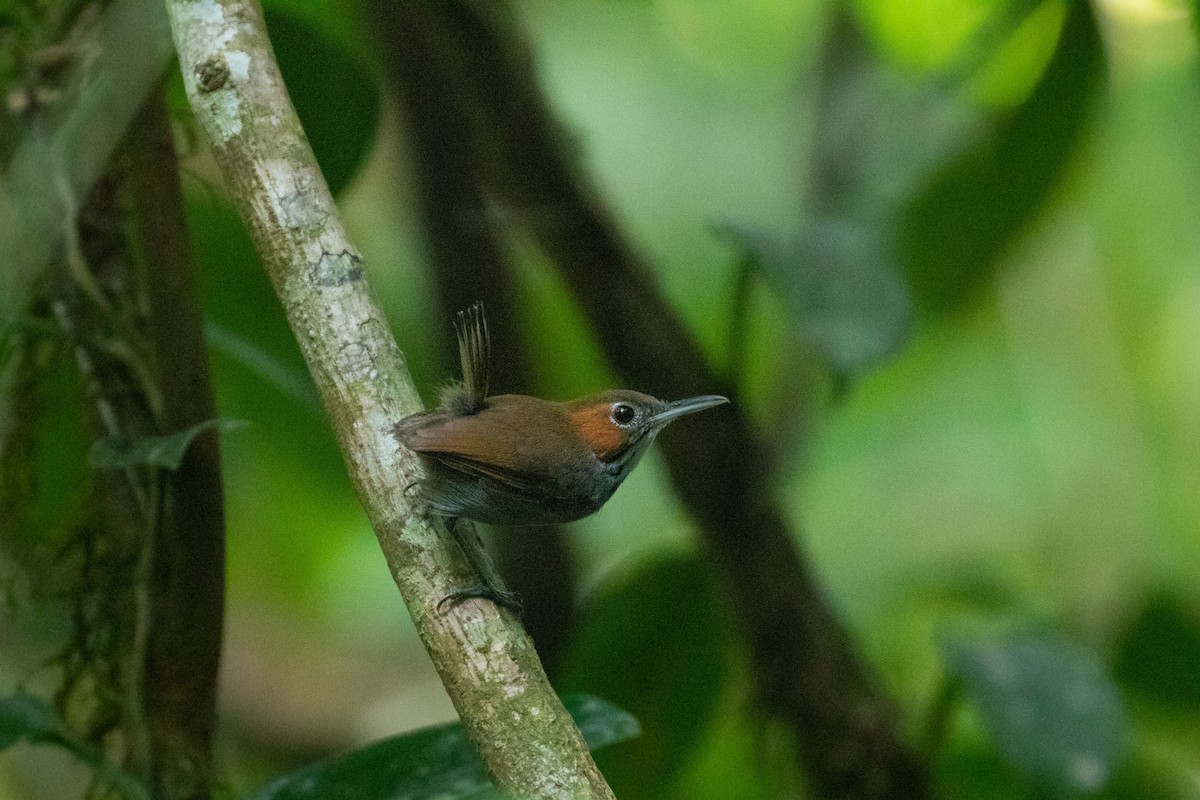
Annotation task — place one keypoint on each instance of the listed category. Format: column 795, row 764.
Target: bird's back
column 518, row 460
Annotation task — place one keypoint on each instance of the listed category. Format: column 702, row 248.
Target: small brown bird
column 517, row 460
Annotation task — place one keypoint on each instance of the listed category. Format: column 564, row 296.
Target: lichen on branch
column 486, row 661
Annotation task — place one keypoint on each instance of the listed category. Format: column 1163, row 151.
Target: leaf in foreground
column 437, row 762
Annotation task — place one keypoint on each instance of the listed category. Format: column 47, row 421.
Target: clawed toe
column 502, row 598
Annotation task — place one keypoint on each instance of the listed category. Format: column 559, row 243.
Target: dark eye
column 623, row 414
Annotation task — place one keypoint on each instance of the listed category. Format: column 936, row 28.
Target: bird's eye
column 623, row 414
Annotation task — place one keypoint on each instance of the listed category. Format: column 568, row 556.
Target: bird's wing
column 513, row 480
column 456, row 444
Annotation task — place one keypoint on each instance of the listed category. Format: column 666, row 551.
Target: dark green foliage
column 959, row 225
column 1159, row 655
column 335, row 97
column 23, row 716
column 437, row 762
column 26, row 717
column 981, row 473
column 658, row 644
column 238, row 296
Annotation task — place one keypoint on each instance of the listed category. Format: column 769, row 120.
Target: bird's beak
column 678, row 408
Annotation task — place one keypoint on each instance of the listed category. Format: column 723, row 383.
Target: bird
column 512, row 459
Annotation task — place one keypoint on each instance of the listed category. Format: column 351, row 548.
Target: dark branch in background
column 470, row 264
column 806, row 668
column 186, row 581
column 147, row 600
column 144, row 569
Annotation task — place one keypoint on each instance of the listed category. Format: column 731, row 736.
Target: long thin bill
column 689, row 406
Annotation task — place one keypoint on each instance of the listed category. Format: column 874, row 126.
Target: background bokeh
column 1016, row 452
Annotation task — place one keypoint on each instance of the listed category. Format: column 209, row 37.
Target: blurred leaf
column 1159, row 656
column 340, row 21
column 335, row 97
column 23, row 716
column 863, row 170
column 166, row 451
column 657, row 644
column 975, row 771
column 1048, row 707
column 436, row 762
column 259, row 372
column 836, row 281
column 42, row 434
column 955, row 230
column 1152, row 774
column 924, row 34
column 971, row 584
column 740, row 758
column 1012, row 51
column 600, row 722
column 291, row 381
column 240, row 300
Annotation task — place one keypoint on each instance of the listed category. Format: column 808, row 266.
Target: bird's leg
column 491, row 586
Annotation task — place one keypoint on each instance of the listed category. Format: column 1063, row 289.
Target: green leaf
column 1049, row 708
column 23, row 716
column 1154, row 772
column 972, row 769
column 335, row 97
column 1159, row 656
column 164, row 451
column 600, row 722
column 955, row 230
column 291, row 381
column 658, row 644
column 245, row 321
column 837, row 282
column 436, row 762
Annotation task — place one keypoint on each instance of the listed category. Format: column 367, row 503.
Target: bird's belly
column 489, row 501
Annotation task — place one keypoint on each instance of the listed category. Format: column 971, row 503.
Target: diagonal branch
column 487, row 663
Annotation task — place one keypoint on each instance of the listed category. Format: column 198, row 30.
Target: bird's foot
column 500, row 596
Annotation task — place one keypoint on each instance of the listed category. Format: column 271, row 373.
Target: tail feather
column 474, row 351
